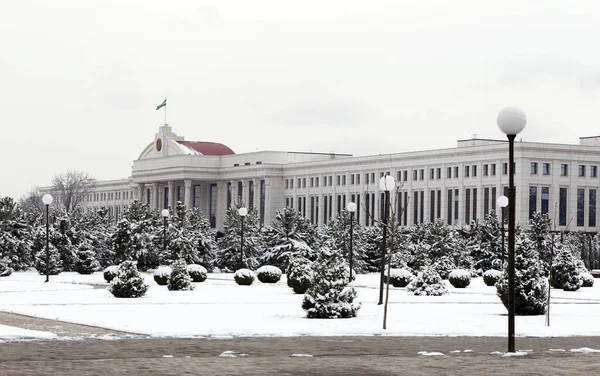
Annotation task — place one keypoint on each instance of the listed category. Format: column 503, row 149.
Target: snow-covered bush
column 180, row 279
column 443, row 266
column 110, row 272
column 162, row 275
column 491, row 276
column 5, row 270
column 428, row 282
column 328, row 296
column 268, row 274
column 244, row 277
column 299, row 274
column 128, row 283
column 198, row 273
column 565, row 274
column 531, row 288
column 400, row 277
column 460, row 278
column 588, row 279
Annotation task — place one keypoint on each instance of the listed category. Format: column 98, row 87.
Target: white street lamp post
column 47, row 200
column 242, row 212
column 351, row 207
column 386, row 184
column 502, row 203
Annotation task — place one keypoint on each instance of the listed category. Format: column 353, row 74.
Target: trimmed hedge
column 268, row 274
column 400, row 277
column 162, row 275
column 110, row 272
column 459, row 278
column 198, row 273
column 491, row 276
column 244, row 277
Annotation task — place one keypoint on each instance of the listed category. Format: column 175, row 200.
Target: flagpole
column 165, row 111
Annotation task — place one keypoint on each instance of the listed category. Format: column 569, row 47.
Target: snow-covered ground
column 12, row 333
column 219, row 307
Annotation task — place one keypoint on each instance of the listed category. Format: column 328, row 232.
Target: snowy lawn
column 12, row 333
column 219, row 307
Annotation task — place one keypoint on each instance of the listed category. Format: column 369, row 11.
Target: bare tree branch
column 72, row 187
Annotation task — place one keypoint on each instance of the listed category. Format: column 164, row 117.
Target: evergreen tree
column 299, row 274
column 180, row 278
column 428, row 283
column 338, row 232
column 539, row 233
column 228, row 256
column 15, row 235
column 128, row 283
column 86, row 262
column 5, row 269
column 62, row 242
column 122, row 241
column 489, row 254
column 202, row 238
column 565, row 272
column 372, row 239
column 329, row 296
column 531, row 289
column 55, row 266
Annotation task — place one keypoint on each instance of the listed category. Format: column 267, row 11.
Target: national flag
column 163, row 104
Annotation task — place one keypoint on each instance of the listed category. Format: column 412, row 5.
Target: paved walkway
column 274, row 356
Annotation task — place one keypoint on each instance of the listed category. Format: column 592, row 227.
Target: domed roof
column 206, row 148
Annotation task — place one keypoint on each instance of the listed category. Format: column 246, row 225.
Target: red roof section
column 208, row 148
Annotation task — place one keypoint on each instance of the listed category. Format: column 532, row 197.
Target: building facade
column 457, row 185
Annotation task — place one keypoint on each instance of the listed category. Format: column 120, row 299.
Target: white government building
column 458, row 184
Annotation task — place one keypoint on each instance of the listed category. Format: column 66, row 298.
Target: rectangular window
column 312, row 209
column 448, row 172
column 467, row 206
column 240, row 189
column 404, row 213
column 581, row 170
column 291, row 183
column 449, row 208
column 228, row 195
column 431, row 174
column 456, row 171
column 422, row 207
column 251, row 194
column 330, row 180
column 475, row 204
column 493, row 199
column 312, row 182
column 439, row 173
column 351, row 179
column 343, row 179
column 325, row 210
column 373, row 179
column 405, row 175
column 166, row 198
column 263, row 196
column 532, row 201
column 504, row 168
column 357, row 179
column 545, row 200
column 592, row 208
column 546, row 168
column 467, row 169
column 562, row 207
column 339, row 204
column 493, row 169
column 564, row 169
column 422, row 174
column 580, row 206
column 432, row 206
column 456, row 202
column 212, row 211
column 474, row 170
column 299, row 183
column 534, row 168
column 415, row 207
column 287, row 184
column 303, row 182
column 486, row 201
column 317, row 184
column 593, row 171
column 324, row 181
column 439, row 204
column 485, row 170
column 414, row 174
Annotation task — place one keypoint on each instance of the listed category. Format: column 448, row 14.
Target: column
column 172, row 202
column 245, row 193
column 155, row 195
column 187, row 194
column 140, row 192
column 256, row 184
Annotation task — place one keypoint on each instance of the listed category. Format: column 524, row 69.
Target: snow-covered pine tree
column 62, row 240
column 180, row 279
column 15, row 236
column 122, row 241
column 285, row 238
column 372, row 238
column 329, row 296
column 229, row 257
column 128, row 283
column 203, row 238
column 5, row 269
column 299, row 274
column 55, row 266
column 565, row 272
column 531, row 288
column 86, row 262
column 96, row 227
column 539, row 233
column 337, row 231
column 489, row 254
column 145, row 236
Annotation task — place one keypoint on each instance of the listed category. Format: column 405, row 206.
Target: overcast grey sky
column 80, row 79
